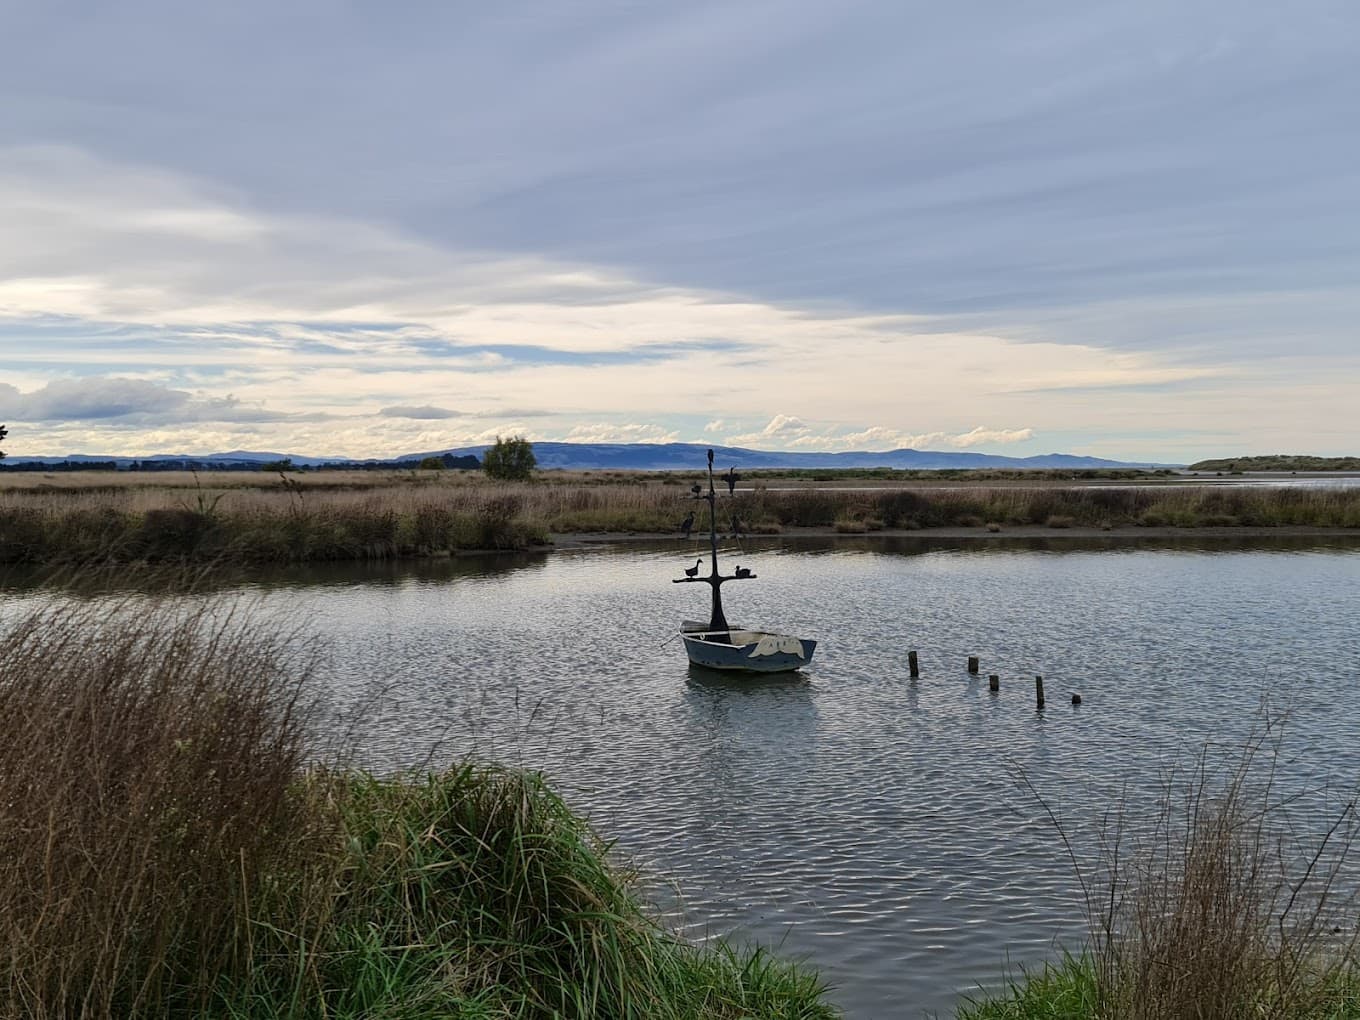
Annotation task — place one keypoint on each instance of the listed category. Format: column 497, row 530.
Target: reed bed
column 303, row 518
column 172, row 849
column 1238, row 901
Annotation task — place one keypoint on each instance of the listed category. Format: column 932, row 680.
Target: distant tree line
column 464, row 463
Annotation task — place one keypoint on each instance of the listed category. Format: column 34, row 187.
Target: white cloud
column 981, row 435
column 286, row 319
column 611, row 433
column 787, row 432
column 124, row 400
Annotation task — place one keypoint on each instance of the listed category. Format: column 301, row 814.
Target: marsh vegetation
column 258, row 518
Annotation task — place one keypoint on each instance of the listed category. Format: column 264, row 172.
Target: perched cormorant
column 731, row 479
column 687, row 525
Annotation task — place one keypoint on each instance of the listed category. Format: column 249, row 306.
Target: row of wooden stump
column 993, row 679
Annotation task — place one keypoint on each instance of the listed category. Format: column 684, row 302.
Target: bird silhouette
column 694, row 570
column 696, row 488
column 687, row 525
column 743, row 571
column 731, row 479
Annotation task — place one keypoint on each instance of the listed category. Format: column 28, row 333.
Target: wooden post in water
column 1076, row 699
column 1039, row 692
column 993, row 683
column 973, row 664
column 911, row 661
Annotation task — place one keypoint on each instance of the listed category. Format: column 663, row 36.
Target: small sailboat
column 718, row 645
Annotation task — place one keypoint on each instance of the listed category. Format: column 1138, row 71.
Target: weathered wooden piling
column 993, row 683
column 911, row 661
column 1039, row 692
column 972, row 664
column 1076, row 699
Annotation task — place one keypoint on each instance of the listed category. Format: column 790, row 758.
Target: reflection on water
column 876, row 825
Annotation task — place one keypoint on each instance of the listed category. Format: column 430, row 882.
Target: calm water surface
column 874, row 825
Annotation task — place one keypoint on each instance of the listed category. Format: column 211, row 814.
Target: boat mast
column 718, row 630
column 717, row 621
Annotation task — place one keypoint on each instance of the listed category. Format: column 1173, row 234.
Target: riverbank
column 173, row 849
column 314, row 518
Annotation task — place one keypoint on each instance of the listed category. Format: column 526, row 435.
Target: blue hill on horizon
column 650, row 457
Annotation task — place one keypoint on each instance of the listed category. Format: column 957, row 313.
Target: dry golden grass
column 145, row 760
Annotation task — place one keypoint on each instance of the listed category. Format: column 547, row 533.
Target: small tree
column 432, row 464
column 510, row 459
column 3, row 433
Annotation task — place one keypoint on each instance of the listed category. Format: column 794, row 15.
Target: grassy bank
column 1225, row 908
column 1279, row 462
column 170, row 852
column 257, row 519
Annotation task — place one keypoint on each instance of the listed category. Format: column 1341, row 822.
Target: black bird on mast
column 694, row 570
column 731, row 479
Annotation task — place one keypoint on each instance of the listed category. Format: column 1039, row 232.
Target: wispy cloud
column 606, row 433
column 424, row 412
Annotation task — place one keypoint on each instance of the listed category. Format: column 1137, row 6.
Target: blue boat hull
column 748, row 651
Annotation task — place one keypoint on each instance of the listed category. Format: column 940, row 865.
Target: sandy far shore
column 587, row 540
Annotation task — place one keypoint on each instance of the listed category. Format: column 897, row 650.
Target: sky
column 1127, row 230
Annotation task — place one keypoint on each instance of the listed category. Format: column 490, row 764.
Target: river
column 880, row 827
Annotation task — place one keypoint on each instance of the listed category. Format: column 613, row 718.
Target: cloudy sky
column 1123, row 229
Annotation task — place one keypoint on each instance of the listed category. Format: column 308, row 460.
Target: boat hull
column 748, row 651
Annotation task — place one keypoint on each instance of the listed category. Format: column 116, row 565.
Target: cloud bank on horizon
column 1111, row 229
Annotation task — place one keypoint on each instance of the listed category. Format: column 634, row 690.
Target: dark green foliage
column 432, row 464
column 510, row 459
column 3, row 433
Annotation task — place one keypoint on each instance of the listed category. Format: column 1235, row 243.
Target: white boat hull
column 752, row 651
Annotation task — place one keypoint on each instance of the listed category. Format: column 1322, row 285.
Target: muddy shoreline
column 1131, row 534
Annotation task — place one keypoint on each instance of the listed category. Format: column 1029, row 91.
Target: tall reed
column 146, row 759
column 1235, row 900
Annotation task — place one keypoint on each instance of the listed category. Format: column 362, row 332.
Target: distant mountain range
column 625, row 457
